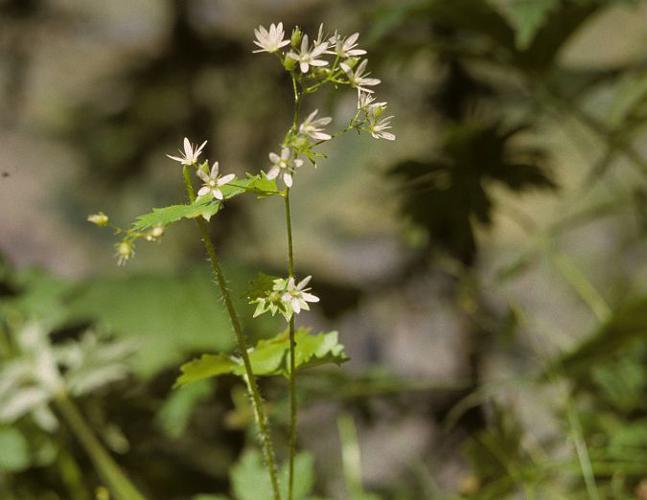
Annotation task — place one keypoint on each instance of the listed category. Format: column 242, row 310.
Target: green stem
column 292, row 379
column 297, row 103
column 250, row 378
column 107, row 468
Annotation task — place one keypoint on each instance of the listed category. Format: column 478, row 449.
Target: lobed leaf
column 269, row 357
column 205, row 206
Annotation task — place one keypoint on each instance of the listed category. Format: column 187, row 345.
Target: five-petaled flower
column 190, row 154
column 270, row 40
column 213, row 182
column 313, row 128
column 307, row 57
column 296, row 296
column 378, row 128
column 359, row 78
column 345, row 48
column 283, row 164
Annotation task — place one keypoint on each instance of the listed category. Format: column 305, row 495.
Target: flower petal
column 273, row 173
column 226, row 179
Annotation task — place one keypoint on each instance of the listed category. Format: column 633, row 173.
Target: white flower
column 314, row 128
column 358, row 78
column 307, row 57
column 378, row 129
column 296, row 296
column 345, row 48
column 320, row 36
column 213, row 183
column 283, row 164
column 270, row 41
column 366, row 103
column 191, row 153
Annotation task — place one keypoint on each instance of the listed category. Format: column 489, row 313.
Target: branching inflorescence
column 327, row 60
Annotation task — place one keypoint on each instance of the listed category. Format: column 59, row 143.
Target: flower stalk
column 250, row 378
column 292, row 439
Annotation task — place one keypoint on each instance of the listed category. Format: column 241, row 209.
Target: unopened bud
column 289, row 63
column 100, row 219
column 155, row 234
column 295, row 39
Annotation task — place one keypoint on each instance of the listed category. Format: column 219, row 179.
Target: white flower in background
column 39, row 372
column 313, row 128
column 284, row 164
column 270, row 41
column 213, row 182
column 307, row 57
column 297, row 296
column 345, row 48
column 358, row 78
column 378, row 128
column 190, row 154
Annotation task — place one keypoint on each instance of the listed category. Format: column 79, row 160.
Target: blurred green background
column 487, row 272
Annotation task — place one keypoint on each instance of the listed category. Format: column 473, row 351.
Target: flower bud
column 100, row 219
column 155, row 234
column 295, row 39
column 289, row 63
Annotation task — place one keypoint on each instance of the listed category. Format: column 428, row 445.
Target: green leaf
column 205, row 206
column 269, row 357
column 304, row 477
column 173, row 416
column 527, row 17
column 169, row 315
column 209, row 365
column 250, row 480
column 260, row 286
column 261, row 185
column 15, row 452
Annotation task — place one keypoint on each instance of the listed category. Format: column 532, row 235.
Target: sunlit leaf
column 206, row 206
column 208, row 365
column 202, row 207
column 269, row 357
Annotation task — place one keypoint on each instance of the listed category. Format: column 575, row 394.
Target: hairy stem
column 292, row 379
column 250, row 378
column 107, row 468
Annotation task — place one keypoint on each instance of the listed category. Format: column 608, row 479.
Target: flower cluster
column 327, row 59
column 285, row 296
